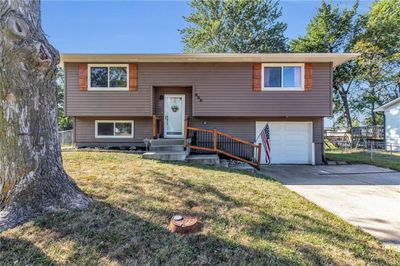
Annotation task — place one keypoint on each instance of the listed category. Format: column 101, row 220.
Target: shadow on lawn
column 121, row 234
column 105, row 234
column 21, row 252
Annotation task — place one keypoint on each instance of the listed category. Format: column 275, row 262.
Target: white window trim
column 282, row 88
column 132, row 122
column 90, row 88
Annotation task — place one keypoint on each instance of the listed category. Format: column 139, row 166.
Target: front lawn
column 248, row 219
column 379, row 158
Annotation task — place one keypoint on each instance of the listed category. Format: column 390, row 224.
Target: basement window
column 283, row 77
column 114, row 129
column 108, row 77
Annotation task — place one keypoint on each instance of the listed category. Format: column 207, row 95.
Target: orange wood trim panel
column 257, row 77
column 83, row 77
column 308, row 77
column 133, row 77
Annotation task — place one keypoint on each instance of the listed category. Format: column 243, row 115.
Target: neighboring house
column 391, row 112
column 120, row 99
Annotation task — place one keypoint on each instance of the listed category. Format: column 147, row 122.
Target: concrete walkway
column 364, row 195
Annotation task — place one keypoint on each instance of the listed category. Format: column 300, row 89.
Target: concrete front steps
column 166, row 155
column 204, row 159
column 166, row 150
column 174, row 150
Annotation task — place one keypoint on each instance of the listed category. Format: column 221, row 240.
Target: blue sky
column 142, row 26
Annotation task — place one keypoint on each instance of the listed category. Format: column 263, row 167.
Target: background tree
column 379, row 65
column 243, row 26
column 32, row 178
column 334, row 31
column 64, row 122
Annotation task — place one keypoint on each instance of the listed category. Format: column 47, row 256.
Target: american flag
column 266, row 143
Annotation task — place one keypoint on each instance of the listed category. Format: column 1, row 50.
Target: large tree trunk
column 346, row 107
column 32, row 178
column 373, row 114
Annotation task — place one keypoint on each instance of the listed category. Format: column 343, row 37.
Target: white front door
column 174, row 115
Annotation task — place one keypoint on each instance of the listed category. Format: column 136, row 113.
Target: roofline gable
column 334, row 58
column 387, row 105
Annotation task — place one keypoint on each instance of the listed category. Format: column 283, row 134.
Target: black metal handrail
column 220, row 142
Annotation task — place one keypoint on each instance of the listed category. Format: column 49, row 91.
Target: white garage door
column 291, row 142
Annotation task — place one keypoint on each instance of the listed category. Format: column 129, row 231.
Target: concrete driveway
column 364, row 195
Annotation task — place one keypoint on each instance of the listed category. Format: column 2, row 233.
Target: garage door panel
column 291, row 142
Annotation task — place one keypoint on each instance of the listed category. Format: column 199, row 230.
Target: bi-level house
column 123, row 99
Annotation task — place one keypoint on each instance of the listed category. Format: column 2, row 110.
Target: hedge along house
column 122, row 99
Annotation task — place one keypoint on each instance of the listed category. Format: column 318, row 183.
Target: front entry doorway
column 174, row 115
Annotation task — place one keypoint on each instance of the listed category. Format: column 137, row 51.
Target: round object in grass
column 178, row 217
column 184, row 224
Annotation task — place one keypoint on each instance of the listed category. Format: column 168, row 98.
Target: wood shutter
column 83, row 77
column 133, row 81
column 257, row 77
column 308, row 77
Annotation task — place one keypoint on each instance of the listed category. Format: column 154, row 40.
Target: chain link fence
column 65, row 137
column 362, row 144
column 382, row 149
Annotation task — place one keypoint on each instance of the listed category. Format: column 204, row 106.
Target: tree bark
column 32, row 178
column 344, row 97
column 373, row 114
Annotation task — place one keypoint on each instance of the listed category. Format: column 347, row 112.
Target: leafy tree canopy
column 330, row 31
column 333, row 30
column 244, row 26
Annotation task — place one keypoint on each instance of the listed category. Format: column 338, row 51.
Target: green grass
column 379, row 158
column 248, row 219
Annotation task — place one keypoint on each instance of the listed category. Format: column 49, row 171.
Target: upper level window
column 283, row 77
column 108, row 77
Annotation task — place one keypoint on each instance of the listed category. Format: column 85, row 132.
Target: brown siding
column 104, row 103
column 318, row 138
column 243, row 128
column 225, row 89
column 85, row 131
column 159, row 104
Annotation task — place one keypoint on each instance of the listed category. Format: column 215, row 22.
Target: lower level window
column 114, row 129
